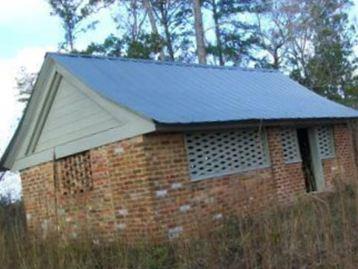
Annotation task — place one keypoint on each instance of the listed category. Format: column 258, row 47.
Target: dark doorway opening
column 306, row 156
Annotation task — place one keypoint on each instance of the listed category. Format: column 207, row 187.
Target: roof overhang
column 297, row 123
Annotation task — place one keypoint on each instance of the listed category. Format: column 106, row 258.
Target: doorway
column 307, row 159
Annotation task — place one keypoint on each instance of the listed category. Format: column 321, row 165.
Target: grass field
column 319, row 231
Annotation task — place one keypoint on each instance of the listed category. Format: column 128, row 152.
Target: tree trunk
column 276, row 59
column 135, row 20
column 217, row 32
column 69, row 38
column 199, row 31
column 168, row 37
column 149, row 9
column 70, row 42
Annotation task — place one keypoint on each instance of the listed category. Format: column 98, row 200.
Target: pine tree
column 199, row 31
column 172, row 16
column 330, row 69
column 73, row 14
column 235, row 35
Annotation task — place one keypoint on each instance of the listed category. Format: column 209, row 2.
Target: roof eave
column 297, row 122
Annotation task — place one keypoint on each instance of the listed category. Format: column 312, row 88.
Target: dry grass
column 319, row 231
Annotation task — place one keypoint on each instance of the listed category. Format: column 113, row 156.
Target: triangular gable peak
column 64, row 117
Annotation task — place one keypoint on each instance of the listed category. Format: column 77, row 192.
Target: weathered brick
column 141, row 187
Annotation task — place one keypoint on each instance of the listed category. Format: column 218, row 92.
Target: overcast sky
column 27, row 31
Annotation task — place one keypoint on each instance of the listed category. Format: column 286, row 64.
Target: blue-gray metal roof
column 179, row 93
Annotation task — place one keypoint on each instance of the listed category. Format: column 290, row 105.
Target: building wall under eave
column 343, row 166
column 119, row 203
column 142, row 187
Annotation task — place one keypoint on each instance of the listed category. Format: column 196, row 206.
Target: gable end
column 65, row 117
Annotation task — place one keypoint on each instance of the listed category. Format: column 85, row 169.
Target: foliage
column 319, row 231
column 330, row 69
column 313, row 41
column 170, row 32
column 172, row 18
column 145, row 46
column 25, row 81
column 73, row 15
column 234, row 35
column 310, row 40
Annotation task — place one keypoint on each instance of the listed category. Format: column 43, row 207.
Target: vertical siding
column 72, row 116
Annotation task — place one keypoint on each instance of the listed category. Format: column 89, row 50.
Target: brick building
column 133, row 148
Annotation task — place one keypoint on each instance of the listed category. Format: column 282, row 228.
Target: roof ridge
column 147, row 61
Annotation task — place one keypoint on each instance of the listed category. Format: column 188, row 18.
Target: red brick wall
column 141, row 186
column 132, row 199
column 289, row 180
column 92, row 209
column 120, row 202
column 342, row 167
column 344, row 152
column 38, row 194
column 181, row 204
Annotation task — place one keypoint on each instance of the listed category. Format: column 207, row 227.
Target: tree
column 216, row 18
column 130, row 18
column 351, row 93
column 199, row 31
column 25, row 82
column 172, row 16
column 145, row 46
column 140, row 34
column 73, row 14
column 313, row 41
column 235, row 34
column 300, row 47
column 149, row 9
column 274, row 28
column 111, row 46
column 135, row 39
column 329, row 69
column 135, row 42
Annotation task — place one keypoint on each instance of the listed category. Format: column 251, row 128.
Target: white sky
column 27, row 31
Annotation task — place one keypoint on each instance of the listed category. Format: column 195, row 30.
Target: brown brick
column 141, row 187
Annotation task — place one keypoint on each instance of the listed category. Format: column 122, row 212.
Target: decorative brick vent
column 74, row 174
column 291, row 152
column 325, row 142
column 225, row 152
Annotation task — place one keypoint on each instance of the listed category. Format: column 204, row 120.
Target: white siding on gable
column 66, row 117
column 73, row 115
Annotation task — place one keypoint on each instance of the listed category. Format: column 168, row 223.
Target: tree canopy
column 312, row 41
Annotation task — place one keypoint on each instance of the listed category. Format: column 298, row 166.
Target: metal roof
column 182, row 94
